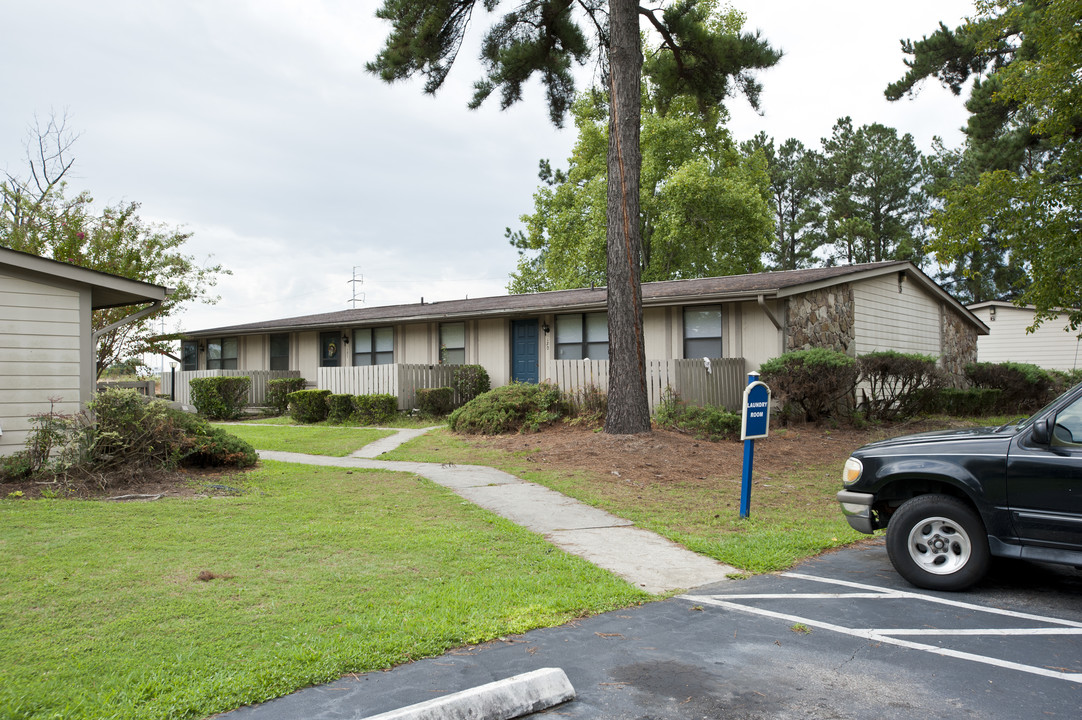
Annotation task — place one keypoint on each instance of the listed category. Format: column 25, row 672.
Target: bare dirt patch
column 665, row 456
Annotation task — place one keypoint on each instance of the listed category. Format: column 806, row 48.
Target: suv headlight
column 851, row 472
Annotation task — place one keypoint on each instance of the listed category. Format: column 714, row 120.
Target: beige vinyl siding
column 40, row 352
column 254, row 352
column 493, row 343
column 307, row 355
column 1050, row 346
column 760, row 339
column 885, row 318
column 657, row 333
column 417, row 344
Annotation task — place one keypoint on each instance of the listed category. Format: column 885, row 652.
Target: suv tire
column 938, row 542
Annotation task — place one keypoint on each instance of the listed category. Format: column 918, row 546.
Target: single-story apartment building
column 47, row 341
column 1051, row 346
column 562, row 336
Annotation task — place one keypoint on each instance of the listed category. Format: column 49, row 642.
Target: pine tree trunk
column 628, row 410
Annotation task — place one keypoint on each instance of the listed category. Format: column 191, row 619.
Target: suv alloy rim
column 939, row 545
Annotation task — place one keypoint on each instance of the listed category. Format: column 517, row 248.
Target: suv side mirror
column 1041, row 433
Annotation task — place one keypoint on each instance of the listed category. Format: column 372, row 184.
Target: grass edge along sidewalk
column 184, row 608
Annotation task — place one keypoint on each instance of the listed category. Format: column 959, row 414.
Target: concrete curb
column 501, row 700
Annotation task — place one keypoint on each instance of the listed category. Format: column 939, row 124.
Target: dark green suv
column 952, row 500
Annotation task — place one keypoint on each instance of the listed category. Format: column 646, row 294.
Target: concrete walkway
column 643, row 558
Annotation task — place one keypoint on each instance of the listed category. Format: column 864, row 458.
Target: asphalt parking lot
column 840, row 636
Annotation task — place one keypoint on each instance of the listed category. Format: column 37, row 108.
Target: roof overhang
column 758, row 288
column 106, row 290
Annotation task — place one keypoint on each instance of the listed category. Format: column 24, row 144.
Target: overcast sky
column 254, row 125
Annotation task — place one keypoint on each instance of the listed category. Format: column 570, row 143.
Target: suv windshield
column 1029, row 421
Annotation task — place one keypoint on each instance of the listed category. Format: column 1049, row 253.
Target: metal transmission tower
column 357, row 280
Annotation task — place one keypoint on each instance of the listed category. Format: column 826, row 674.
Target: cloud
column 254, row 125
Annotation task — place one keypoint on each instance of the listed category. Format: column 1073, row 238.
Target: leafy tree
column 36, row 216
column 987, row 270
column 793, row 173
column 1023, row 139
column 871, row 202
column 703, row 210
column 695, row 57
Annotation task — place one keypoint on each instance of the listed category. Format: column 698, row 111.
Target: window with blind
column 702, row 331
column 222, row 353
column 453, row 343
column 373, row 346
column 582, row 336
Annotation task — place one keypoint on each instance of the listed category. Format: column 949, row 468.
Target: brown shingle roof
column 731, row 287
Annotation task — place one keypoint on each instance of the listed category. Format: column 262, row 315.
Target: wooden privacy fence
column 401, row 380
column 143, row 387
column 257, row 391
column 719, row 383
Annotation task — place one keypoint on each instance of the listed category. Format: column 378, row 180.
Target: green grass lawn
column 793, row 517
column 311, row 574
column 330, row 440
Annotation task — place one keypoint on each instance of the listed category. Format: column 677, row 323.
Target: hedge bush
column 521, row 407
column 308, row 406
column 709, row 422
column 435, row 401
column 220, row 398
column 1025, row 387
column 896, row 383
column 279, row 390
column 339, row 408
column 962, row 402
column 374, row 409
column 469, row 381
column 810, row 384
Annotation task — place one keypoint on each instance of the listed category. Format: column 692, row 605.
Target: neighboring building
column 551, row 336
column 46, row 339
column 1051, row 346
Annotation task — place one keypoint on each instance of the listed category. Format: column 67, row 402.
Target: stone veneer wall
column 822, row 318
column 959, row 346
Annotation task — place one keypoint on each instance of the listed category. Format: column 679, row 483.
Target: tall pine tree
column 695, row 57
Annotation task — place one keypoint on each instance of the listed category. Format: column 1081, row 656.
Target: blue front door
column 524, row 351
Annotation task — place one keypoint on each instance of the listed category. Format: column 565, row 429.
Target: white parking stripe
column 890, row 635
column 937, row 600
column 972, row 631
column 875, row 636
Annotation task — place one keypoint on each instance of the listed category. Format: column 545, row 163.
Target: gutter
column 436, row 316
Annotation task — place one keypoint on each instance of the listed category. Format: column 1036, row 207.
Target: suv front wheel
column 938, row 542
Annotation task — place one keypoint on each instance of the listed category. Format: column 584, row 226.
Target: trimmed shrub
column 220, row 398
column 308, row 406
column 469, row 381
column 1025, row 387
column 709, row 422
column 521, row 407
column 896, row 382
column 435, row 401
column 810, row 384
column 339, row 408
column 961, row 402
column 1063, row 380
column 279, row 390
column 374, row 409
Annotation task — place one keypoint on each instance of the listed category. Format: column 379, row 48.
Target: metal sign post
column 754, row 423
